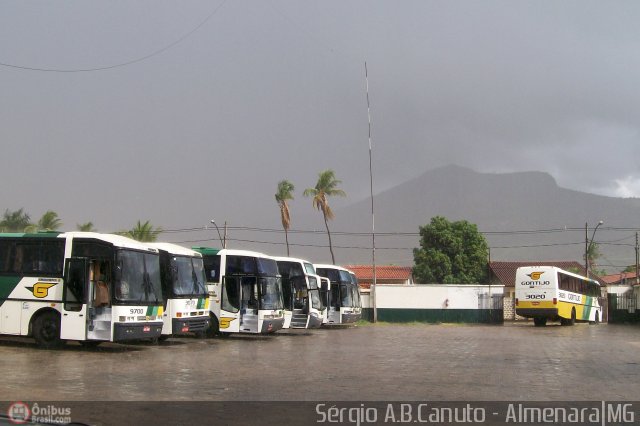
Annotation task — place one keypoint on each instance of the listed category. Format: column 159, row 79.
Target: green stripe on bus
column 150, row 310
column 201, row 303
column 7, row 284
column 586, row 313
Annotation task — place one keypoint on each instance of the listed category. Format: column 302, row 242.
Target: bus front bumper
column 537, row 312
column 135, row 331
column 272, row 325
column 350, row 318
column 189, row 325
column 315, row 321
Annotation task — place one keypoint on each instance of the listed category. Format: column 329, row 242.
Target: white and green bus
column 345, row 306
column 245, row 291
column 550, row 293
column 184, row 291
column 81, row 286
column 303, row 307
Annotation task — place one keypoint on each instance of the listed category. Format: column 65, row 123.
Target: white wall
column 430, row 296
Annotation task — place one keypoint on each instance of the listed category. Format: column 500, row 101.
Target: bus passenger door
column 249, row 306
column 229, row 319
column 73, row 324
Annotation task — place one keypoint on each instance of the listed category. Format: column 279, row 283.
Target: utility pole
column 224, row 242
column 372, row 291
column 586, row 248
column 637, row 260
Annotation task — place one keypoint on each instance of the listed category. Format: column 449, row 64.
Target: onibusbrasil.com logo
column 20, row 413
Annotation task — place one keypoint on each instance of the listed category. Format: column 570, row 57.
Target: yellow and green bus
column 549, row 293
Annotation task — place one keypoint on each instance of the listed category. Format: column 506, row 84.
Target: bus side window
column 6, row 252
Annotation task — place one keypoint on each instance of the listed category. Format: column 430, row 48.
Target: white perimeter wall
column 430, row 296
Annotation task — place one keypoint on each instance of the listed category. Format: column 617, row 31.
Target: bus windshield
column 267, row 267
column 138, row 277
column 310, row 268
column 346, row 296
column 188, row 276
column 270, row 293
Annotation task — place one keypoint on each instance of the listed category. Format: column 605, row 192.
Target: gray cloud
column 272, row 90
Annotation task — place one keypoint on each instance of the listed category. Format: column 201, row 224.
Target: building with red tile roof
column 385, row 274
column 622, row 278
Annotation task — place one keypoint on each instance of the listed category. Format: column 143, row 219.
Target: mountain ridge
column 497, row 203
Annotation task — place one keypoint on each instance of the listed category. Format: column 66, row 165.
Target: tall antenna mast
column 373, row 219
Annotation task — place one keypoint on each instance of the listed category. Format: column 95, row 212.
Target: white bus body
column 345, row 306
column 184, row 290
column 245, row 291
column 300, row 291
column 82, row 286
column 550, row 293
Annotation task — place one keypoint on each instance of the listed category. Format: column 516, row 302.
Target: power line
column 133, row 61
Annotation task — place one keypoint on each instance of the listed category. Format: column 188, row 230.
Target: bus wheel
column 540, row 322
column 46, row 330
column 214, row 327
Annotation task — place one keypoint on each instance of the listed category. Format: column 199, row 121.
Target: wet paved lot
column 367, row 362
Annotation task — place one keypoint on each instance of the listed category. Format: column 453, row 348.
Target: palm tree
column 285, row 190
column 325, row 187
column 86, row 227
column 143, row 232
column 49, row 221
column 15, row 221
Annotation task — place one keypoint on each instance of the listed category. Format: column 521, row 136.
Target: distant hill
column 497, row 203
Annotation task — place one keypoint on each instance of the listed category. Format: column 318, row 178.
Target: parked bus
column 245, row 291
column 82, row 286
column 184, row 291
column 344, row 295
column 303, row 307
column 550, row 293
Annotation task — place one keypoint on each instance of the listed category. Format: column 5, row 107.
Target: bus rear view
column 550, row 293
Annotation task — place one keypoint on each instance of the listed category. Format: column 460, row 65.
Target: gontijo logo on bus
column 225, row 322
column 535, row 279
column 40, row 289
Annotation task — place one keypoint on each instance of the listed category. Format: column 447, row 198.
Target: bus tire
column 540, row 322
column 214, row 327
column 46, row 330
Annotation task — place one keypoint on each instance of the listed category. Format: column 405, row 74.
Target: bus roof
column 206, row 250
column 291, row 259
column 557, row 269
column 50, row 234
column 116, row 240
column 176, row 249
column 327, row 266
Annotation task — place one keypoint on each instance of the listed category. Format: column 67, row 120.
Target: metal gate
column 623, row 308
column 491, row 308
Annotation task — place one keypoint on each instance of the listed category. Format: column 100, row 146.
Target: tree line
column 20, row 221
